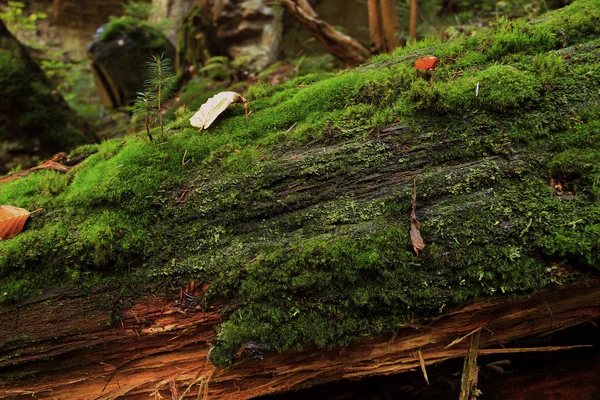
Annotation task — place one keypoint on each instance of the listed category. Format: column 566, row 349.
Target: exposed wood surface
column 63, row 345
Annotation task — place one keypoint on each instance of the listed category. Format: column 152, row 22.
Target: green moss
column 300, row 216
column 133, row 27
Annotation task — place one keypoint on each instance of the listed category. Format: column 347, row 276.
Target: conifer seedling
column 159, row 88
column 144, row 106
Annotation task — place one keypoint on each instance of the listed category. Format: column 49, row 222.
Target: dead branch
column 342, row 46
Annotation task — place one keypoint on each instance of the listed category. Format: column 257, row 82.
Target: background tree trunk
column 391, row 25
column 414, row 12
column 375, row 27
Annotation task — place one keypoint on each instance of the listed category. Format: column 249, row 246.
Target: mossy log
column 290, row 231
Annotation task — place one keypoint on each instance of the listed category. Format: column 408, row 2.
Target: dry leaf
column 427, row 63
column 213, row 107
column 12, row 220
column 415, row 225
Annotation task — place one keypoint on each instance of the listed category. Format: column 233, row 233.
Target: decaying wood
column 342, row 46
column 58, row 162
column 468, row 384
column 63, row 346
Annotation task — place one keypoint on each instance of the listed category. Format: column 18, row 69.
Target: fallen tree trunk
column 65, row 341
column 344, row 209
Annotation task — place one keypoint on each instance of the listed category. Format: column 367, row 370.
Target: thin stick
column 291, row 127
column 422, row 362
column 485, row 352
column 463, row 338
column 183, row 159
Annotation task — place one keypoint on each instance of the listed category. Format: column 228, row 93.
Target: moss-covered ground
column 300, row 218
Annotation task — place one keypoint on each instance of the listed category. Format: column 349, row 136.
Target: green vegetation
column 300, row 217
column 35, row 121
column 159, row 88
column 16, row 21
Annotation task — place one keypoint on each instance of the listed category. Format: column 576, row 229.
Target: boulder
column 249, row 31
column 35, row 121
column 119, row 53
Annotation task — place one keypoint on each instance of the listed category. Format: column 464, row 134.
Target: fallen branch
column 342, row 46
column 58, row 162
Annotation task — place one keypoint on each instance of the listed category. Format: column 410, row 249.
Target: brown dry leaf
column 415, row 225
column 213, row 107
column 427, row 63
column 12, row 220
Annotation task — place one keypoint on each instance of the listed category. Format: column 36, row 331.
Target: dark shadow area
column 569, row 374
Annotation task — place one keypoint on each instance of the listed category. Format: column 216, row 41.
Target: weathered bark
column 342, row 46
column 66, row 347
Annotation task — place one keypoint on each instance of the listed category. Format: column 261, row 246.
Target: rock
column 35, row 121
column 171, row 11
column 249, row 31
column 73, row 22
column 119, row 54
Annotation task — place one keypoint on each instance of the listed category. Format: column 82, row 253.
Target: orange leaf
column 12, row 220
column 427, row 63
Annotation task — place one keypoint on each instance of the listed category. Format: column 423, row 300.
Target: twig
column 203, row 385
column 463, row 338
column 291, row 127
column 485, row 352
column 422, row 362
column 183, row 158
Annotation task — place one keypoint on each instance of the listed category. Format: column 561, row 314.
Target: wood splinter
column 468, row 384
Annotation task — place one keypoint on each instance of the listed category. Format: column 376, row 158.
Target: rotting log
column 66, row 347
column 301, row 238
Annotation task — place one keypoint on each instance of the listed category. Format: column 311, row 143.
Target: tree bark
column 62, row 346
column 342, row 46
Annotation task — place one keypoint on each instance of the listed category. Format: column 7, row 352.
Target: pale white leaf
column 213, row 107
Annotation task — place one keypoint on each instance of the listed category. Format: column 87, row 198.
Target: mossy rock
column 119, row 55
column 299, row 218
column 35, row 121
